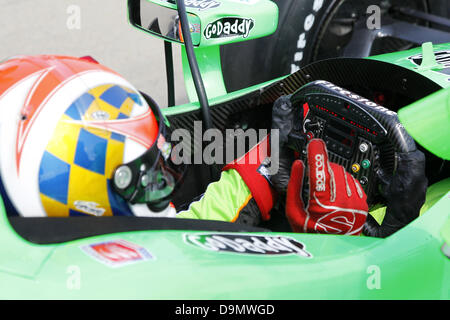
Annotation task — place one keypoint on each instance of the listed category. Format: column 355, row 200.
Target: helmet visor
column 152, row 177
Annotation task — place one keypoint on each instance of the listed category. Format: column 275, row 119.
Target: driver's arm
column 242, row 195
column 228, row 199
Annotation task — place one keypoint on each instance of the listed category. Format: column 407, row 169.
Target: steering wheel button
column 363, row 147
column 364, row 181
column 356, row 167
column 348, row 153
column 365, row 164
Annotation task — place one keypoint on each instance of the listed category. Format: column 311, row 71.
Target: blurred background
column 102, row 31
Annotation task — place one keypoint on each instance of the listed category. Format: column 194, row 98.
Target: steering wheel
column 360, row 135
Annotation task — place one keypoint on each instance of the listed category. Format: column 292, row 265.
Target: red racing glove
column 337, row 202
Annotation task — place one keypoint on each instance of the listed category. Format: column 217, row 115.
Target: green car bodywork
column 410, row 264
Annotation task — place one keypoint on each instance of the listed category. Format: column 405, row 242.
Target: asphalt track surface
column 101, row 30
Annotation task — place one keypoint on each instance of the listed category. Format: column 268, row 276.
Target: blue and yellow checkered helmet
column 78, row 140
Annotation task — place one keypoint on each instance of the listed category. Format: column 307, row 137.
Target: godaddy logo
column 229, row 27
column 248, row 244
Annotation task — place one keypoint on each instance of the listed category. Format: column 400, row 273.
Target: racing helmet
column 77, row 139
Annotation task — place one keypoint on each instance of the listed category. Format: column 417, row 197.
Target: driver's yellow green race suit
column 242, row 194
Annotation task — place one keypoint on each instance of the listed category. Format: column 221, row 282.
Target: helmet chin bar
column 149, row 178
column 158, row 207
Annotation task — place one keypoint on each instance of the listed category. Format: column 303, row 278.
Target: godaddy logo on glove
column 320, row 172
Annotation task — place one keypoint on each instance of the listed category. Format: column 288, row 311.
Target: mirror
column 212, row 22
column 162, row 21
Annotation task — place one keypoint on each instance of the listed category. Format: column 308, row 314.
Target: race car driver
column 77, row 139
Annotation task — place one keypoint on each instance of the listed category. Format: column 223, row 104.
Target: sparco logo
column 202, row 4
column 229, row 27
column 320, row 173
column 248, row 244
